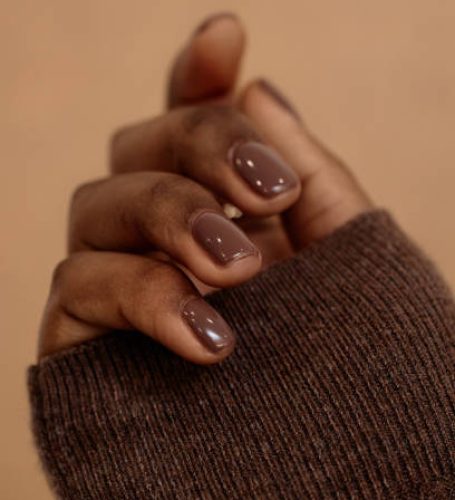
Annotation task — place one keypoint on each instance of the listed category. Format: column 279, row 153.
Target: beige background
column 375, row 79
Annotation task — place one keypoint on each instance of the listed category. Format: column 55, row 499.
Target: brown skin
column 134, row 261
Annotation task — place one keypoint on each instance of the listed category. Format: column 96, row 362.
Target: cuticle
column 223, row 265
column 184, row 302
column 200, row 211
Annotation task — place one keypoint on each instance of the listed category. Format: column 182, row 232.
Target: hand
column 143, row 245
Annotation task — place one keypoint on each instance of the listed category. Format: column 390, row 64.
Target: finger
column 330, row 195
column 96, row 292
column 217, row 147
column 148, row 211
column 208, row 66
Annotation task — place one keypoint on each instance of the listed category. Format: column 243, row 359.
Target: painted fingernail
column 209, row 327
column 263, row 169
column 279, row 98
column 212, row 19
column 222, row 239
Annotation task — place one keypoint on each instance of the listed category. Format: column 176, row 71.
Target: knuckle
column 218, row 122
column 149, row 278
column 120, row 148
column 129, row 142
column 171, row 194
column 155, row 204
column 169, row 201
column 202, row 115
column 153, row 272
column 60, row 275
column 165, row 187
column 163, row 208
column 81, row 193
column 117, row 137
column 64, row 273
column 78, row 212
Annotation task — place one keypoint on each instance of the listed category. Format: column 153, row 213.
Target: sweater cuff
column 342, row 348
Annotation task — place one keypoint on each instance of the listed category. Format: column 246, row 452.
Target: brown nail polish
column 222, row 239
column 210, row 328
column 211, row 19
column 263, row 169
column 275, row 94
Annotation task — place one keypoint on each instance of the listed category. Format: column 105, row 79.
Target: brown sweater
column 341, row 387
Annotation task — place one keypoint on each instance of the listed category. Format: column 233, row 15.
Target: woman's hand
column 147, row 241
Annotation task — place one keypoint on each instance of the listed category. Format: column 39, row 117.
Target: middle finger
column 157, row 211
column 216, row 146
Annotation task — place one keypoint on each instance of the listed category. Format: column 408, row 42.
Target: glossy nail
column 209, row 327
column 222, row 239
column 263, row 169
column 279, row 98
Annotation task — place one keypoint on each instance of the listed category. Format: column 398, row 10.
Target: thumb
column 330, row 195
column 208, row 65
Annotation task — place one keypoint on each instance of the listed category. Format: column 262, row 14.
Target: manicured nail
column 211, row 19
column 209, row 327
column 279, row 98
column 222, row 239
column 263, row 169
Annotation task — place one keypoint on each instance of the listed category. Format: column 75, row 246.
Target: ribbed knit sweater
column 341, row 386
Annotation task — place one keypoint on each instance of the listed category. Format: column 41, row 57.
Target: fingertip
column 251, row 204
column 198, row 333
column 218, row 252
column 219, row 19
column 267, row 175
column 219, row 275
column 209, row 64
column 207, row 358
column 215, row 54
column 241, row 270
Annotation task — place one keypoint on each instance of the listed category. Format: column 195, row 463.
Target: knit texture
column 341, row 386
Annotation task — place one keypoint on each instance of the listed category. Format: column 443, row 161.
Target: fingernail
column 211, row 19
column 222, row 239
column 278, row 97
column 263, row 169
column 209, row 327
